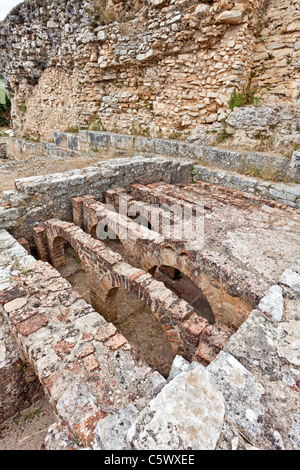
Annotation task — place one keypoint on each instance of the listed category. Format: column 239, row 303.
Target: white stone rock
column 101, row 35
column 242, row 393
column 272, row 304
column 230, row 17
column 202, row 10
column 52, row 25
column 180, row 365
column 156, row 3
column 291, row 279
column 187, row 414
column 110, row 432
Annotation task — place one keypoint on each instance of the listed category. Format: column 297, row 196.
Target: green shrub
column 245, row 97
column 5, row 112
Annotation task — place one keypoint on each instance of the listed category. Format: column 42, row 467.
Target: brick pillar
column 41, row 243
column 97, row 295
column 77, row 206
column 87, row 200
column 57, row 252
column 78, row 212
column 112, row 196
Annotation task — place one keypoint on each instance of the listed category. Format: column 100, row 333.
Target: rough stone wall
column 19, row 387
column 277, row 54
column 157, row 66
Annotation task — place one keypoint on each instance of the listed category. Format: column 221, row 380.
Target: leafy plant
column 72, row 129
column 245, row 97
column 5, row 112
column 33, row 414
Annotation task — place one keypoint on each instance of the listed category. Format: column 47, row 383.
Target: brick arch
column 224, row 306
column 145, row 332
column 56, row 251
column 169, row 310
column 108, row 270
column 185, row 288
column 148, row 249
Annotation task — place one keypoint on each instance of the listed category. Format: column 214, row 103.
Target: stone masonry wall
column 153, row 66
column 277, row 54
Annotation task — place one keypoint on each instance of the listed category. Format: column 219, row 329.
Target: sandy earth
column 28, row 428
column 11, row 170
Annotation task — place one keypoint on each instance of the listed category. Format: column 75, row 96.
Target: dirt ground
column 11, row 170
column 28, row 428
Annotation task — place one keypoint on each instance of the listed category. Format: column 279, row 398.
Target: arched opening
column 73, row 271
column 109, row 238
column 142, row 220
column 185, row 289
column 142, row 329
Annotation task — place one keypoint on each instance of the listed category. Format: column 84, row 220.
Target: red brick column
column 41, row 242
column 77, row 205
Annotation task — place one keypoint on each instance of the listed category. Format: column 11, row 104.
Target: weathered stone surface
column 270, row 352
column 288, row 346
column 249, row 347
column 294, row 170
column 231, row 17
column 242, row 393
column 110, row 433
column 291, row 279
column 187, row 414
column 181, row 365
column 272, row 304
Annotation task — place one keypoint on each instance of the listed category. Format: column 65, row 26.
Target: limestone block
column 291, row 279
column 230, row 17
column 272, row 304
column 242, row 393
column 294, row 167
column 187, row 414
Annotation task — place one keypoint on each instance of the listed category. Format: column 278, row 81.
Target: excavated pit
column 159, row 298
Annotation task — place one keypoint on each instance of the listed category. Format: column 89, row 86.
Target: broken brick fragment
column 11, row 293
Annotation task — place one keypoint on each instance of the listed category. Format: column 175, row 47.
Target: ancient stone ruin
column 149, row 223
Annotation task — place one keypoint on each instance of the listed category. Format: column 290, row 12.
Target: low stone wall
column 283, row 193
column 68, row 144
column 19, row 149
column 276, row 167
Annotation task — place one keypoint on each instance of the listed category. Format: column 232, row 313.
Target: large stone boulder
column 187, row 414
